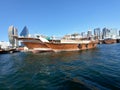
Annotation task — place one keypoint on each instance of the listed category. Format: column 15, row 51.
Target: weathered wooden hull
column 70, row 47
column 110, row 41
column 32, row 45
column 37, row 45
column 56, row 47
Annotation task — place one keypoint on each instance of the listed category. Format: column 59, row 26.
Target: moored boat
column 76, row 45
column 35, row 44
column 118, row 40
column 110, row 41
column 42, row 45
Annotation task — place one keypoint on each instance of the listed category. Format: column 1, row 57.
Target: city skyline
column 58, row 17
column 100, row 33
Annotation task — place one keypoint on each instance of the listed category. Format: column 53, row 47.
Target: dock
column 3, row 51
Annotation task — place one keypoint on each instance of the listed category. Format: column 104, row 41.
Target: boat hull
column 37, row 45
column 56, row 47
column 110, row 41
column 70, row 47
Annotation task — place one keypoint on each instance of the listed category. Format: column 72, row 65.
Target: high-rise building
column 83, row 34
column 12, row 31
column 109, row 33
column 97, row 33
column 89, row 33
column 113, row 33
column 24, row 32
column 119, row 32
column 4, row 45
column 106, row 33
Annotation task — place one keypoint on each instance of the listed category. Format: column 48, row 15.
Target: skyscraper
column 24, row 32
column 97, row 33
column 89, row 33
column 113, row 33
column 12, row 31
column 83, row 34
column 106, row 33
column 119, row 32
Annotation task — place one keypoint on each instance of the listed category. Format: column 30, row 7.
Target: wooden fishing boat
column 110, row 41
column 41, row 44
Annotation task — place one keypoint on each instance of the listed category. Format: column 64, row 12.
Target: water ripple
column 96, row 69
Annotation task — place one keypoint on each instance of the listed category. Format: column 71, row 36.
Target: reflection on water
column 95, row 69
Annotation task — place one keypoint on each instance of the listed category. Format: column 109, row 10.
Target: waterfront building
column 67, row 36
column 113, row 33
column 118, row 36
column 106, row 33
column 83, row 34
column 72, row 36
column 12, row 31
column 109, row 33
column 4, row 45
column 97, row 33
column 89, row 33
column 119, row 32
column 76, row 35
column 25, row 32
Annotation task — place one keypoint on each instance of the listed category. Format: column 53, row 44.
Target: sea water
column 95, row 69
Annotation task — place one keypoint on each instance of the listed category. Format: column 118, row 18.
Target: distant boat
column 118, row 40
column 110, row 41
column 41, row 44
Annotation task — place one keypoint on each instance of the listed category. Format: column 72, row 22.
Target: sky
column 58, row 17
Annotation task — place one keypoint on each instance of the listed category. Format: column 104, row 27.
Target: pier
column 3, row 51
